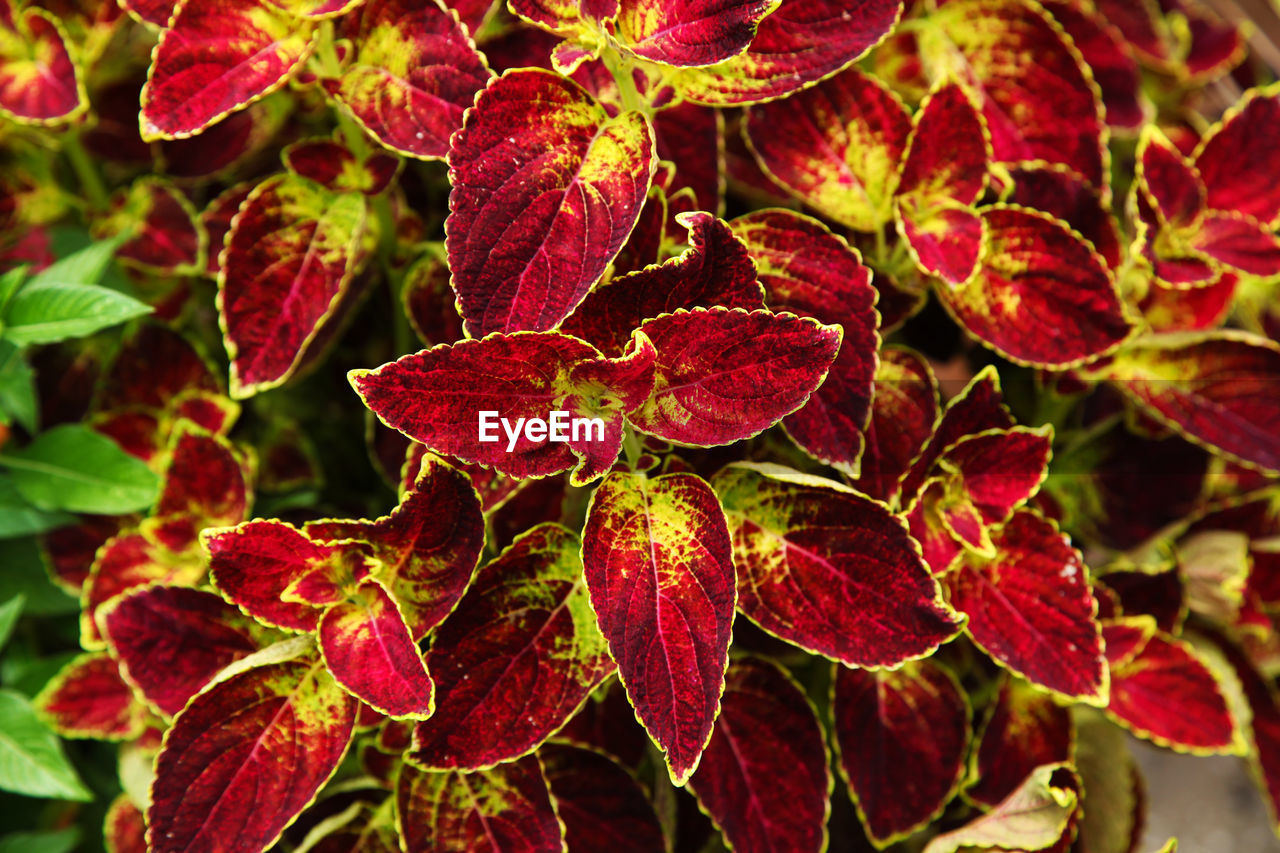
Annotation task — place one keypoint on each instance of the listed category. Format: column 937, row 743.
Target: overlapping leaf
column 89, row 699
column 415, row 71
column 809, row 271
column 1031, row 608
column 516, row 658
column 660, row 572
column 1240, row 171
column 1024, row 729
column 436, row 397
column 546, row 188
column 764, row 778
column 247, row 755
column 600, row 804
column 865, row 598
column 1033, row 817
column 215, row 58
column 39, row 81
column 289, row 260
column 168, row 238
column 722, row 375
column 904, row 414
column 903, row 736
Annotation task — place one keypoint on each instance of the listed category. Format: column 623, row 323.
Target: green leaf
column 17, row 385
column 9, row 284
column 19, row 518
column 31, row 758
column 9, row 613
column 22, row 571
column 84, row 266
column 73, row 468
column 60, row 841
column 55, row 311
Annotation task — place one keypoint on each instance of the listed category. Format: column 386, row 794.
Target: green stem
column 631, row 447
column 620, row 67
column 90, row 181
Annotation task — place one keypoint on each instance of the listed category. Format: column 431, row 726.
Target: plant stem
column 631, row 447
column 90, row 181
column 620, row 67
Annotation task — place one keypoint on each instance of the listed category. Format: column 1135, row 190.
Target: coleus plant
column 692, row 500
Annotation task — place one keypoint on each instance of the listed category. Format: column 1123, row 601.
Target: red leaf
column 1041, row 296
column 1105, row 50
column 167, row 237
column 89, row 699
column 516, row 659
column 904, row 414
column 600, row 804
column 1000, row 470
column 723, row 375
column 154, row 12
column 1031, row 608
column 507, row 808
column 546, row 188
column 803, row 42
column 1240, row 169
column 288, row 262
column 1162, row 691
column 868, row 600
column 714, row 271
column 692, row 137
column 428, row 546
column 368, row 648
column 1025, row 728
column 153, row 365
column 1215, row 388
column 1064, row 194
column 1240, row 241
column 1172, row 186
column 837, row 146
column 764, row 778
column 216, row 221
column 254, row 564
column 171, row 641
column 124, row 830
column 332, row 165
column 809, row 271
column 902, row 736
column 246, row 756
column 429, row 302
column 659, row 569
column 415, row 71
column 39, row 83
column 215, row 58
column 206, row 478
column 437, row 396
column 690, row 32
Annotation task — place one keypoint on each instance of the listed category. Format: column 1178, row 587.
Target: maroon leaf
column 1242, row 172
column 89, row 699
column 1025, row 729
column 688, row 32
column 764, row 778
column 546, row 188
column 809, row 271
column 904, row 414
column 600, row 804
column 659, row 570
column 39, row 82
column 902, row 737
column 868, row 601
column 516, row 659
column 1031, row 608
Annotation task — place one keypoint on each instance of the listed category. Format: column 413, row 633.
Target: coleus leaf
column 154, row 364
column 167, row 236
column 415, row 71
column 39, row 81
column 1162, row 691
column 1215, row 388
column 809, row 271
column 692, row 137
column 154, row 12
column 869, row 601
column 429, row 302
column 600, row 804
column 1031, row 818
column 89, row 699
column 334, row 166
column 1263, row 728
column 1037, row 97
column 1024, row 729
column 1060, row 192
column 216, row 219
column 215, row 58
column 902, row 735
column 428, row 546
column 1041, row 295
column 1112, row 809
column 247, row 755
column 171, row 641
column 436, row 397
column 687, row 32
column 516, row 659
column 942, row 174
column 1109, row 57
column 837, row 146
column 764, row 777
column 568, row 18
column 904, row 414
column 659, row 569
column 546, row 188
column 1171, row 185
column 289, row 259
column 124, row 829
column 488, row 811
column 722, row 375
column 801, row 43
column 715, row 271
column 1238, row 240
column 367, row 646
column 999, row 470
column 1240, row 171
column 1031, row 608
column 206, row 478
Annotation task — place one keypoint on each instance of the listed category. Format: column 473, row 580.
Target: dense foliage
column 600, row 424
